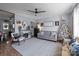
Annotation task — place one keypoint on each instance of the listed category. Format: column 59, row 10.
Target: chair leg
column 18, row 42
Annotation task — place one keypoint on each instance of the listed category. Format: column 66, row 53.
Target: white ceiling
column 52, row 9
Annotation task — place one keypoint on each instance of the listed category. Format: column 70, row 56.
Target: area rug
column 38, row 47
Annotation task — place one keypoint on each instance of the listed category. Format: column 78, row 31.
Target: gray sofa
column 48, row 35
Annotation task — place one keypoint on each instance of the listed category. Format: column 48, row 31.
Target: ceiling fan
column 36, row 11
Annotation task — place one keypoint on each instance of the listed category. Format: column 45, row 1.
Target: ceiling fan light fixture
column 35, row 14
column 36, row 11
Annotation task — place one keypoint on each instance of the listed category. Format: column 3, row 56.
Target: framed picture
column 18, row 22
column 56, row 23
column 48, row 23
column 5, row 26
column 42, row 24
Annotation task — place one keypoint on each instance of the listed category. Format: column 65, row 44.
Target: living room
column 38, row 29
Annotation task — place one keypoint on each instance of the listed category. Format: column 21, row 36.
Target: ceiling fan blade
column 41, row 11
column 31, row 11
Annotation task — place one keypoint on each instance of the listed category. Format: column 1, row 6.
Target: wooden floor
column 7, row 50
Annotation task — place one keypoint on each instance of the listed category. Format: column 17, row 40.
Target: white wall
column 68, row 18
column 52, row 19
column 21, row 18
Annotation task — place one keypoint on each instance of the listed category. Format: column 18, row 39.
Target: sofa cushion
column 47, row 33
column 42, row 33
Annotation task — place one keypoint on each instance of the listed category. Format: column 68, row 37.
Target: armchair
column 17, row 37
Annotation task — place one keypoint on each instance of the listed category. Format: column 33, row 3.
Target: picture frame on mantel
column 56, row 23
